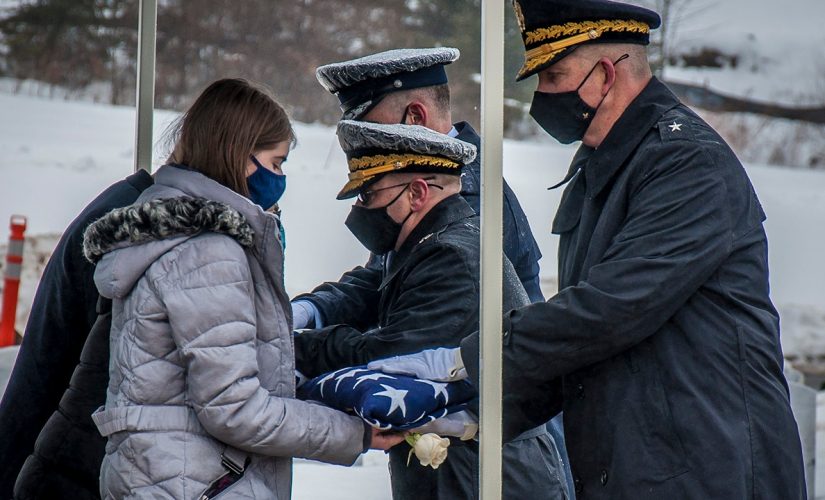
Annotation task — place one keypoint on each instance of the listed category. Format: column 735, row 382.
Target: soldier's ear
column 417, row 114
column 419, row 194
column 609, row 72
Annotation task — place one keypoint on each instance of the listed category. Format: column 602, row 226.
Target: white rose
column 430, row 449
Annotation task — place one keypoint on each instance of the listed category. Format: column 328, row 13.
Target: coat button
column 578, row 484
column 604, row 477
column 580, row 391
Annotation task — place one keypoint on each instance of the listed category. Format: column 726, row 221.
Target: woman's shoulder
column 207, row 247
column 213, row 256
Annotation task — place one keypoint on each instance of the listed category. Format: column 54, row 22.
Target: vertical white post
column 492, row 129
column 145, row 101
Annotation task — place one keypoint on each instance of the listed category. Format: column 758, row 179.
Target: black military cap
column 375, row 149
column 551, row 29
column 361, row 83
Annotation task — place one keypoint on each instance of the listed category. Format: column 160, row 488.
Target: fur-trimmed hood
column 126, row 241
column 161, row 219
column 181, row 205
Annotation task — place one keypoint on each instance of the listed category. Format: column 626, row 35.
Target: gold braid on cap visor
column 364, row 168
column 576, row 32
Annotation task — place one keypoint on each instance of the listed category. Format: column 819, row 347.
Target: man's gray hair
column 437, row 95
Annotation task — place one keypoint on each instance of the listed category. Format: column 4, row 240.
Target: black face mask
column 374, row 227
column 565, row 115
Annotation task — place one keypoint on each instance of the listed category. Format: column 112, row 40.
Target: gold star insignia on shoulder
column 675, row 127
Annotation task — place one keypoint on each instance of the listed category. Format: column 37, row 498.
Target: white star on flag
column 675, row 127
column 348, row 374
column 438, row 388
column 374, row 376
column 396, row 399
column 324, row 380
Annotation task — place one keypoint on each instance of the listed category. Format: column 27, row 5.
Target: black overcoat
column 662, row 345
column 355, row 289
column 63, row 312
column 427, row 296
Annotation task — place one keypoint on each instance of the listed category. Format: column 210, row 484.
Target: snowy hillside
column 778, row 47
column 766, row 51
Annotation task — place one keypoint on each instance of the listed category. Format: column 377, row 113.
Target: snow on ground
column 369, row 480
column 779, row 46
column 7, row 357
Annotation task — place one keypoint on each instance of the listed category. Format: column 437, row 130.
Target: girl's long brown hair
column 230, row 120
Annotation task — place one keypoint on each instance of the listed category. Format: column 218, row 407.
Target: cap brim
column 358, row 112
column 524, row 72
column 350, row 190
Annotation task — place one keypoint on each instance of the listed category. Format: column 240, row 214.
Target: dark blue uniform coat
column 519, row 244
column 63, row 312
column 662, row 345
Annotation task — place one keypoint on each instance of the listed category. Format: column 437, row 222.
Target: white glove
column 460, row 424
column 440, row 365
column 302, row 314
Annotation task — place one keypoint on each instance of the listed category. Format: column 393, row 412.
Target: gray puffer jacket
column 201, row 348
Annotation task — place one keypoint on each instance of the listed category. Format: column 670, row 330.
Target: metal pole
column 492, row 129
column 145, row 101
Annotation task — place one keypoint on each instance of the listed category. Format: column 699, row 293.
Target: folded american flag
column 386, row 401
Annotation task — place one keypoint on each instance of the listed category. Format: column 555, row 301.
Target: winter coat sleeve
column 348, row 299
column 207, row 294
column 524, row 407
column 62, row 313
column 674, row 237
column 434, row 308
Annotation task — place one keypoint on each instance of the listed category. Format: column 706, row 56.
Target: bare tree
column 662, row 41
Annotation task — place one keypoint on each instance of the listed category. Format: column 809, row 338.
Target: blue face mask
column 265, row 187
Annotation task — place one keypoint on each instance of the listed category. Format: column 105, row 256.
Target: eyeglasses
column 365, row 196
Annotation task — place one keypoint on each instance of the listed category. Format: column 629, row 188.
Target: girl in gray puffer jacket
column 202, row 382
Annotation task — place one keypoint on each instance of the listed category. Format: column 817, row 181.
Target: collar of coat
column 628, row 131
column 467, row 133
column 449, row 210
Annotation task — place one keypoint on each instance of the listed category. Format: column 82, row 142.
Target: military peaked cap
column 374, row 149
column 361, row 83
column 551, row 29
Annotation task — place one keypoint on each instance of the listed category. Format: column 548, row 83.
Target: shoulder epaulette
column 675, row 127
